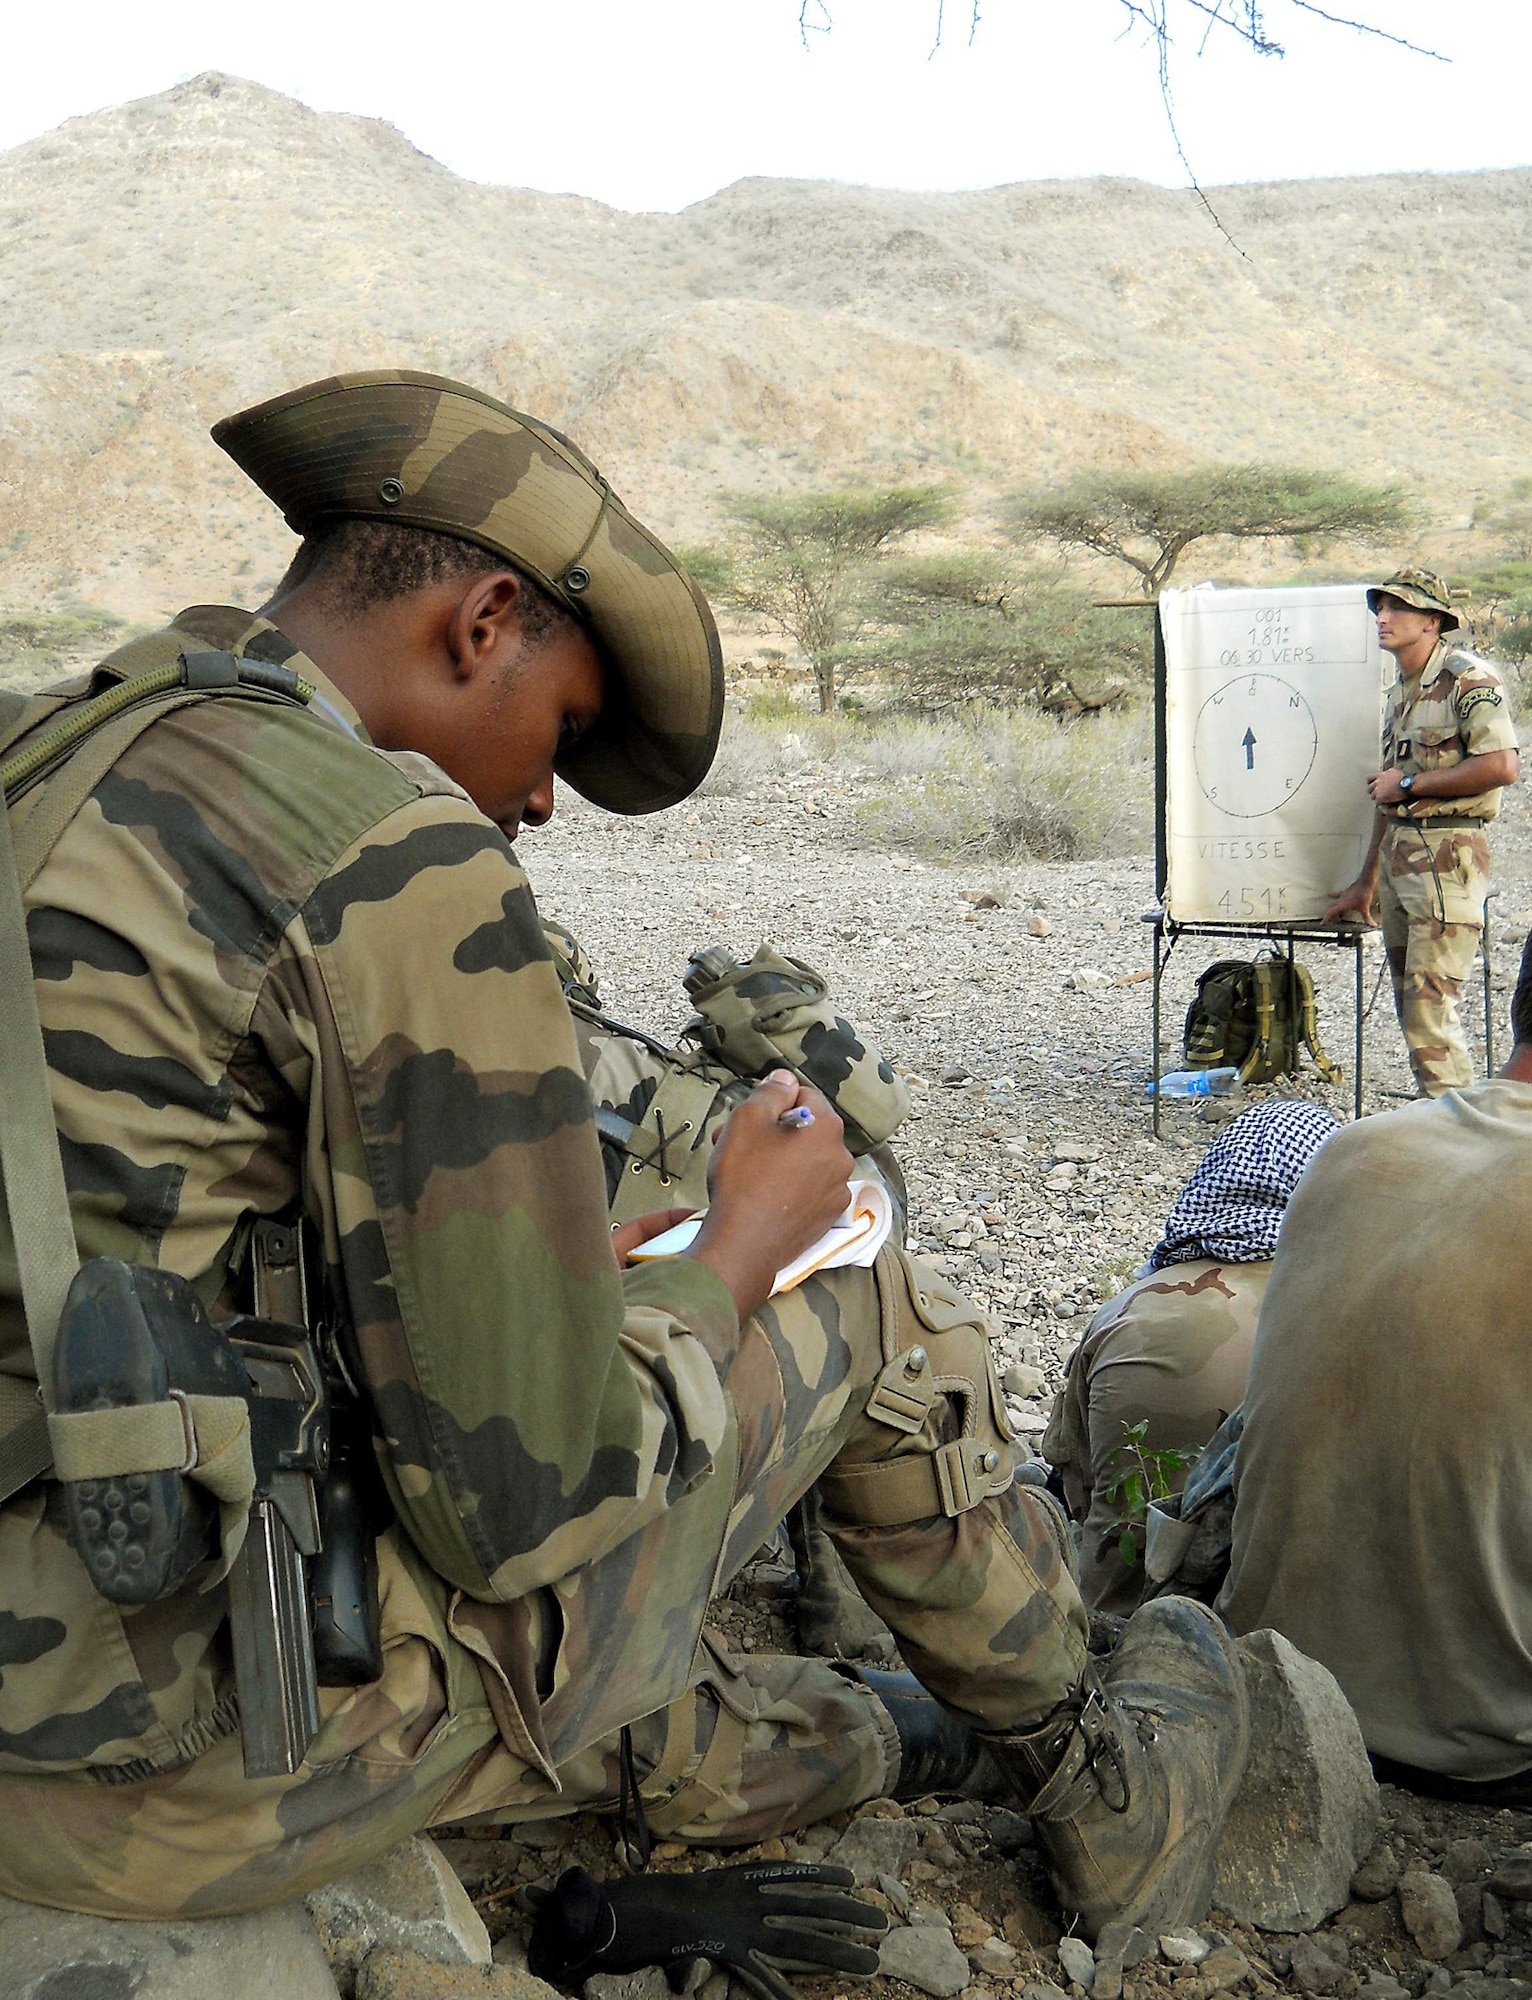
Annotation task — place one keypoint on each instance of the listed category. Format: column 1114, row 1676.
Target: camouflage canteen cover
column 1421, row 587
column 393, row 445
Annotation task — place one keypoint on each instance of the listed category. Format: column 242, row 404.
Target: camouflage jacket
column 274, row 964
column 1457, row 708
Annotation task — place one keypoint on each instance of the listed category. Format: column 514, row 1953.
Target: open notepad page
column 855, row 1239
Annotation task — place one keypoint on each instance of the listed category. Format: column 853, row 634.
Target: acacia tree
column 797, row 559
column 949, row 629
column 1148, row 520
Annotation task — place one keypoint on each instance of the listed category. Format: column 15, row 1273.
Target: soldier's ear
column 485, row 616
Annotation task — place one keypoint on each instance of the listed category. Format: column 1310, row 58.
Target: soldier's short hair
column 1521, row 999
column 361, row 564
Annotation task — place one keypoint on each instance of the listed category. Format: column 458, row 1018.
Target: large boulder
column 408, row 1900
column 56, row 1955
column 1306, row 1814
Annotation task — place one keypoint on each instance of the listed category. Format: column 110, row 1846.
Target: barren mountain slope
column 167, row 260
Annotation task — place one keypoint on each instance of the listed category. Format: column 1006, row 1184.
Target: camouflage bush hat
column 392, row 445
column 1421, row 587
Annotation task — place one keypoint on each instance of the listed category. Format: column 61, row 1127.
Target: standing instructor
column 1449, row 747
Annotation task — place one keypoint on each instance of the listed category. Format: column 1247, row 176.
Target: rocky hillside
column 167, row 260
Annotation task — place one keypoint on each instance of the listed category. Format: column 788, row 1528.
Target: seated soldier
column 1172, row 1351
column 1383, row 1513
column 285, row 963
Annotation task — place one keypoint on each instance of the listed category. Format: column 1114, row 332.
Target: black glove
column 758, row 1920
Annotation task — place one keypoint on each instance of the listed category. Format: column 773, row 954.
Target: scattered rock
column 1465, row 1861
column 1184, row 1948
column 969, row 1928
column 1307, row 1810
column 1086, row 979
column 1042, row 1989
column 1430, row 1913
column 1039, row 927
column 873, row 1847
column 407, row 1900
column 1118, row 1949
column 1512, row 1876
column 1223, row 1968
column 647, row 1983
column 1315, row 1965
column 1022, row 1379
column 1493, row 1915
column 56, row 1955
column 995, row 1957
column 895, row 1891
column 924, row 1955
column 389, row 1974
column 1078, row 1961
column 1378, row 1875
column 1469, row 1898
column 1380, row 1988
column 1075, row 1152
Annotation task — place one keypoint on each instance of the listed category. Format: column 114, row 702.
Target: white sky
column 657, row 103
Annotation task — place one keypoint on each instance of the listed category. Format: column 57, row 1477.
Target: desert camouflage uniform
column 1173, row 1349
column 1433, row 881
column 274, row 964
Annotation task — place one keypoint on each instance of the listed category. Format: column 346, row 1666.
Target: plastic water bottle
column 1197, row 1083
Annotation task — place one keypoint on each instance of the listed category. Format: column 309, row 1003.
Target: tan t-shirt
column 1384, row 1512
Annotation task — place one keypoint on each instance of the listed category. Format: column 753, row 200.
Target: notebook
column 856, row 1239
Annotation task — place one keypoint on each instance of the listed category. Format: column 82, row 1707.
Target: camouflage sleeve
column 1483, row 710
column 535, row 1405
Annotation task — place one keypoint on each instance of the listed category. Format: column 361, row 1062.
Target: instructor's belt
column 1452, row 822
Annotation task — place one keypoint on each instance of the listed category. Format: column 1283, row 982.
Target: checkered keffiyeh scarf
column 1232, row 1206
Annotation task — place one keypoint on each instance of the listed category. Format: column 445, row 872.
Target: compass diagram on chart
column 1253, row 745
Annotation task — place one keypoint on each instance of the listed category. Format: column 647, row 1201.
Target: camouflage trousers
column 876, row 1383
column 1171, row 1353
column 1431, row 892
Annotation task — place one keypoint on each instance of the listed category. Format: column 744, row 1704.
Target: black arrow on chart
column 1249, row 742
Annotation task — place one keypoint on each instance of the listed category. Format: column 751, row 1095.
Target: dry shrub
column 1071, row 791
column 1011, row 784
column 750, row 753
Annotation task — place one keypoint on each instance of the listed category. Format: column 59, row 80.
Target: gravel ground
column 1017, row 998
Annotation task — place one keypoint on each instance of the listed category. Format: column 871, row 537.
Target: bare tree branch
column 808, row 26
column 1367, row 28
column 1242, row 18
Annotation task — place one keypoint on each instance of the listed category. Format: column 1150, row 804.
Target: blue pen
column 797, row 1118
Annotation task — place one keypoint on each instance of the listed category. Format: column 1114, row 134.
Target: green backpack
column 1256, row 1016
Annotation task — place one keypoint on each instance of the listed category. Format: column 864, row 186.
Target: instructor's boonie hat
column 1421, row 587
column 391, row 445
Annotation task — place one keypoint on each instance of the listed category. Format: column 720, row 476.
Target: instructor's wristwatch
column 1407, row 784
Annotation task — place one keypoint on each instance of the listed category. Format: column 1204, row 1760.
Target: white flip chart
column 1273, row 702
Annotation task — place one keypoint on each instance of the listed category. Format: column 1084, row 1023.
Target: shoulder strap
column 81, row 750
column 35, row 1195
column 1328, row 1068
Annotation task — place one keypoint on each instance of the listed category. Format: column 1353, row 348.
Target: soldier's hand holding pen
column 777, row 1180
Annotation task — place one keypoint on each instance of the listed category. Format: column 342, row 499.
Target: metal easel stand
column 1168, row 934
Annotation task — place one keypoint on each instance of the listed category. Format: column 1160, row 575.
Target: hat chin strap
column 576, row 578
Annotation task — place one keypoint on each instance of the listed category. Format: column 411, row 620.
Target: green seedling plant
column 1138, row 1476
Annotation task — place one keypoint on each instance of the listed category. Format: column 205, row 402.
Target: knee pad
column 936, row 1438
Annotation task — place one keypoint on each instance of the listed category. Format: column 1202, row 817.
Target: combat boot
column 1129, row 1781
column 937, row 1753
